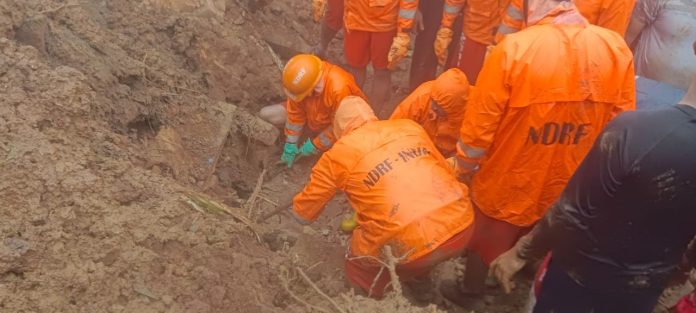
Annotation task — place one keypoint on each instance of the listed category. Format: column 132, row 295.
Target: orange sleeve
column 411, row 109
column 512, row 21
column 295, row 121
column 616, row 15
column 325, row 139
column 337, row 89
column 416, row 105
column 484, row 111
column 401, row 112
column 321, row 188
column 407, row 12
column 450, row 11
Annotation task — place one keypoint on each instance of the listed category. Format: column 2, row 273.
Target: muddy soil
column 111, row 113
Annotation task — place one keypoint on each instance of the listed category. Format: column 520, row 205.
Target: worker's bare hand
column 505, row 267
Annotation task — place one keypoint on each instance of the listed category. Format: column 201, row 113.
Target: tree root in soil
column 251, row 202
column 204, row 204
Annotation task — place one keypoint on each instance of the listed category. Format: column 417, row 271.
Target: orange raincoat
column 379, row 15
column 611, row 14
column 543, row 96
column 402, row 189
column 481, row 17
column 450, row 92
column 317, row 110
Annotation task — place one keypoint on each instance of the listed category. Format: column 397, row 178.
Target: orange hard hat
column 300, row 75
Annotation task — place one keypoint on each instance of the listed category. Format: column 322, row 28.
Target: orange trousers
column 363, row 273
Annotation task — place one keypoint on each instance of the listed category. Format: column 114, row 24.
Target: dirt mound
column 111, row 113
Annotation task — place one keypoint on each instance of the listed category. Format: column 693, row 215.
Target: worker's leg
column 491, row 238
column 472, row 57
column 274, row 114
column 381, row 83
column 424, row 61
column 416, row 273
column 481, row 20
column 331, row 24
column 381, row 92
column 475, row 274
column 366, row 276
column 356, row 48
column 363, row 273
column 560, row 293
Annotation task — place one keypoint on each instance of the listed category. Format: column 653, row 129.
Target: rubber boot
column 468, row 290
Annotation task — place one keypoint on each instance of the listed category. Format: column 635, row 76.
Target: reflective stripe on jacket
column 379, row 15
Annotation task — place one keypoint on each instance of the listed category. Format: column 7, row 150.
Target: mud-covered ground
column 112, row 113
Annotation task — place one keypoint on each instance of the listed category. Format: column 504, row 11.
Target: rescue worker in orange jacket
column 543, row 96
column 610, row 14
column 438, row 106
column 481, row 19
column 377, row 32
column 378, row 165
column 314, row 89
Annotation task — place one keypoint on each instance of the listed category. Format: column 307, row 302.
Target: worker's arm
column 484, row 111
column 644, row 13
column 616, row 15
column 512, row 21
column 295, row 122
column 407, row 13
column 325, row 139
column 401, row 112
column 450, row 11
column 411, row 109
column 322, row 186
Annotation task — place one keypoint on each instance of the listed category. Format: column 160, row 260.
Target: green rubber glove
column 290, row 152
column 308, row 148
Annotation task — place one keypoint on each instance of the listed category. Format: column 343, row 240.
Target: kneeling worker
column 314, row 89
column 378, row 165
column 438, row 106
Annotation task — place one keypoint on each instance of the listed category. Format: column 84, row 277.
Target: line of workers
column 530, row 162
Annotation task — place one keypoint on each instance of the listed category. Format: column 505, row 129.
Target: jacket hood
column 352, row 113
column 451, row 91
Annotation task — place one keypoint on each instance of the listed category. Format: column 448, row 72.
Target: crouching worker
column 314, row 89
column 438, row 106
column 402, row 190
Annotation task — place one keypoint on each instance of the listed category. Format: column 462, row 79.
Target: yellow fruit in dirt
column 348, row 225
